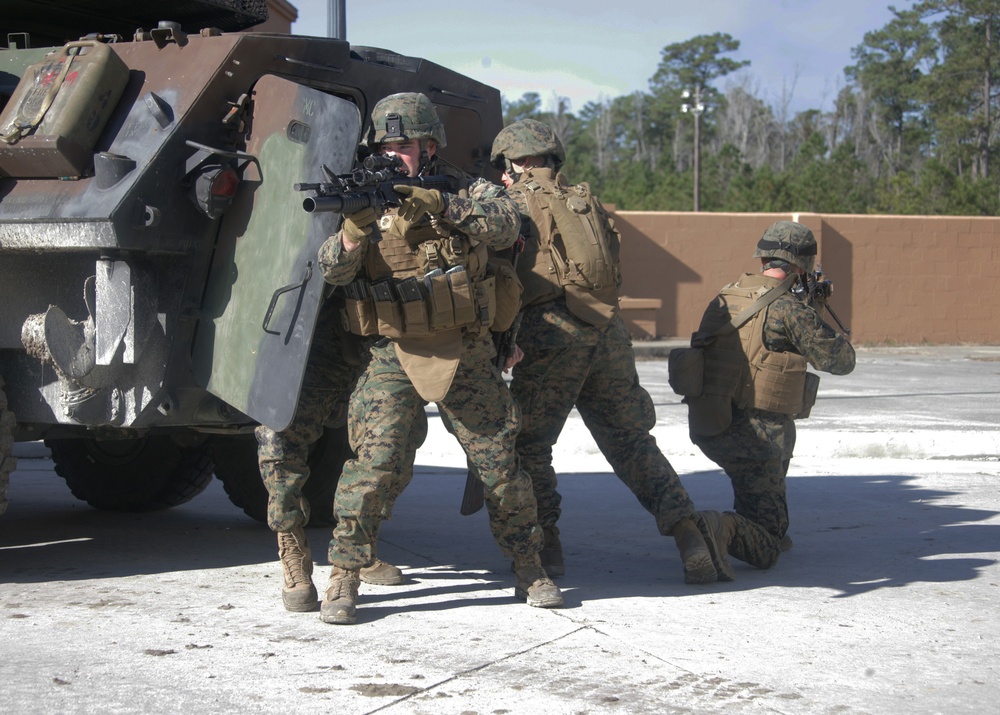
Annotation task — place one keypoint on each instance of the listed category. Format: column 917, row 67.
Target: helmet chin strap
column 425, row 158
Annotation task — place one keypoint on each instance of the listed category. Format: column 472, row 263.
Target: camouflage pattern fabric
column 528, row 137
column 756, row 448
column 385, row 406
column 483, row 416
column 283, row 456
column 568, row 362
column 486, row 215
column 415, row 115
column 790, row 241
column 755, row 451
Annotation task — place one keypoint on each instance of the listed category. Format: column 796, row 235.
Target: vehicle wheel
column 144, row 474
column 7, row 461
column 236, row 467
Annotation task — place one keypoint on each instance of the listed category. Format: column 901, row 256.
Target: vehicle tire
column 145, row 474
column 7, row 461
column 236, row 467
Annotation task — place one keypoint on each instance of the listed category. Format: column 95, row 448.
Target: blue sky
column 590, row 50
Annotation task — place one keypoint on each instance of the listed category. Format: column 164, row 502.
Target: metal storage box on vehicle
column 58, row 110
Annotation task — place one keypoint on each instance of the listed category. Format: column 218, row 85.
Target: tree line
column 913, row 129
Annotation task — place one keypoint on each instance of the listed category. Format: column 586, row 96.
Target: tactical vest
column 572, row 247
column 423, row 278
column 742, row 365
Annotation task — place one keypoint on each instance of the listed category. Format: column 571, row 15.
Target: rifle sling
column 758, row 305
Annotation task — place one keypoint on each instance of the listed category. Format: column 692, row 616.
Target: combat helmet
column 405, row 116
column 788, row 241
column 528, row 137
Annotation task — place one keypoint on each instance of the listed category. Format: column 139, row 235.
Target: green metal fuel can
column 59, row 109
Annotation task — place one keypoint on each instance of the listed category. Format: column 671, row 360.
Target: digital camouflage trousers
column 384, row 409
column 569, row 363
column 330, row 375
column 755, row 451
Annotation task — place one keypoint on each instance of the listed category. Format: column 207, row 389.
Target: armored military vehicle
column 158, row 276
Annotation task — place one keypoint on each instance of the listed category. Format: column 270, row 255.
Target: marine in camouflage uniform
column 584, row 362
column 331, row 372
column 756, row 447
column 451, row 367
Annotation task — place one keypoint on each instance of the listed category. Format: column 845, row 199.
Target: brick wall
column 897, row 279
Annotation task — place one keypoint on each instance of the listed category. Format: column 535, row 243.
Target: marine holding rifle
column 424, row 291
column 757, row 337
column 577, row 350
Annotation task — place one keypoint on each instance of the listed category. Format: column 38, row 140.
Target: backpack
column 578, row 247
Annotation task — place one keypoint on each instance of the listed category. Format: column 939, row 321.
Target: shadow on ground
column 853, row 534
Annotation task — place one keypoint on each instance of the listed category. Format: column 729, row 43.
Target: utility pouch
column 415, row 316
column 360, row 316
column 709, row 415
column 461, row 296
column 809, row 395
column 508, row 291
column 686, row 371
column 778, row 382
column 387, row 309
column 486, row 296
column 441, row 308
column 414, row 308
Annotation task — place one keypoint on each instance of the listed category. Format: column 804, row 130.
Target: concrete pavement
column 886, row 604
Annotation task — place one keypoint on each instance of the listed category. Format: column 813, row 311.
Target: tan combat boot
column 341, row 597
column 720, row 530
column 382, row 574
column 297, row 592
column 534, row 585
column 695, row 553
column 551, row 554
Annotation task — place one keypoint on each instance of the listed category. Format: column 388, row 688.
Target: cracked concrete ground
column 886, row 603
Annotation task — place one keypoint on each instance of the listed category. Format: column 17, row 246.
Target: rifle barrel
column 346, row 203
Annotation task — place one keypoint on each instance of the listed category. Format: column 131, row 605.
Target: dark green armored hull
column 157, row 273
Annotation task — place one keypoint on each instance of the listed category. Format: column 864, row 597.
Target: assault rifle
column 815, row 289
column 370, row 186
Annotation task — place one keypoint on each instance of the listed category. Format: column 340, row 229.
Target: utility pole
column 695, row 108
column 337, row 19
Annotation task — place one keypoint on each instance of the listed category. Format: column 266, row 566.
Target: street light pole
column 336, row 16
column 696, row 108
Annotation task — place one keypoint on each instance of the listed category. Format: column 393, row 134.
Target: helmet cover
column 788, row 241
